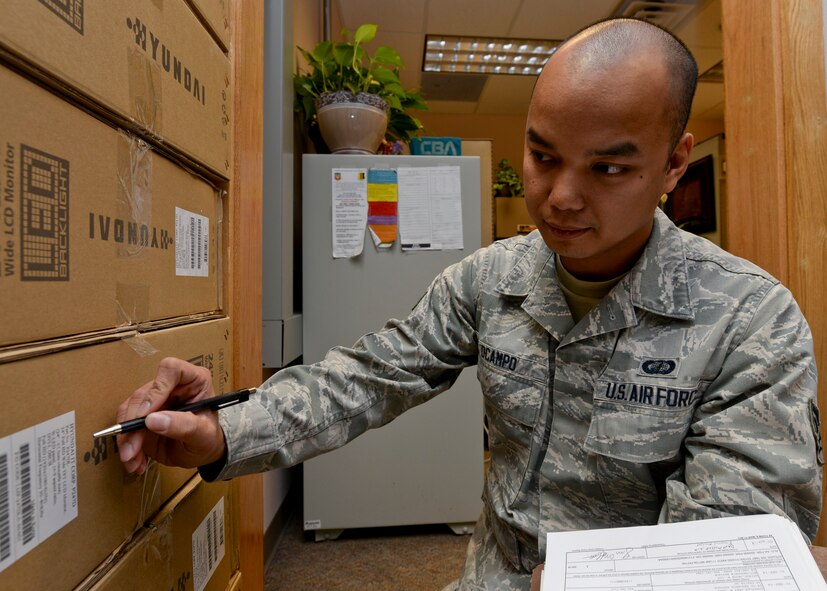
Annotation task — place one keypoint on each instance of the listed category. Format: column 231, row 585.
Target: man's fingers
column 199, row 438
column 137, row 405
column 135, row 465
column 175, row 379
column 173, row 438
column 127, row 449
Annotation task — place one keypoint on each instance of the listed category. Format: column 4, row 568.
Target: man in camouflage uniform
column 632, row 373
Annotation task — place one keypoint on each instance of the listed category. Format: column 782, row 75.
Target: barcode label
column 38, row 485
column 24, row 477
column 192, row 244
column 5, row 513
column 208, row 546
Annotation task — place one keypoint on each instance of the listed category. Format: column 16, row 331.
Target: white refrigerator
column 426, row 466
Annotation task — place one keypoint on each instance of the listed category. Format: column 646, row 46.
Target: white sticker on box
column 6, row 503
column 38, row 485
column 208, row 546
column 192, row 244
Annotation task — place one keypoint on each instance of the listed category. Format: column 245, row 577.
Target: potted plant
column 345, row 80
column 507, row 181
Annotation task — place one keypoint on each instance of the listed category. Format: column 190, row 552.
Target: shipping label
column 208, row 546
column 38, row 485
column 192, row 244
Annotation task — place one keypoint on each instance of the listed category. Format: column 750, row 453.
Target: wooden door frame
column 245, row 198
column 776, row 145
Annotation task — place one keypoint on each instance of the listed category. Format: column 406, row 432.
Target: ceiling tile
column 558, row 19
column 409, row 46
column 508, row 89
column 488, row 18
column 704, row 28
column 390, row 16
column 448, row 86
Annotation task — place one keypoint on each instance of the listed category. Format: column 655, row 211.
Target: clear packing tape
column 144, row 85
column 135, row 206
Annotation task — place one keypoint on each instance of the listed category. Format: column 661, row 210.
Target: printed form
column 430, row 208
column 350, row 211
column 755, row 552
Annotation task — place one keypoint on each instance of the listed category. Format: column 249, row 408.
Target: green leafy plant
column 506, row 180
column 348, row 66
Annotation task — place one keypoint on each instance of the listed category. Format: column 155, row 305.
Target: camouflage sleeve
column 304, row 411
column 754, row 444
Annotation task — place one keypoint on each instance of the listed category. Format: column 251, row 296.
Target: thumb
column 160, row 422
column 185, row 427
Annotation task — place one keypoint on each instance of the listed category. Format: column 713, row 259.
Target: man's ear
column 678, row 162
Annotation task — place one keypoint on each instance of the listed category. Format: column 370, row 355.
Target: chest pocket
column 641, row 421
column 513, row 385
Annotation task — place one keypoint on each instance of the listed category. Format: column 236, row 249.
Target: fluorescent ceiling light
column 486, row 55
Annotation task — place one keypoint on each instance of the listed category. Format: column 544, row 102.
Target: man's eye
column 541, row 157
column 609, row 169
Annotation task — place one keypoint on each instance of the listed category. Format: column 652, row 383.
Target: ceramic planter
column 352, row 124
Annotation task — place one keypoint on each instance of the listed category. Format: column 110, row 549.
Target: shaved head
column 600, row 47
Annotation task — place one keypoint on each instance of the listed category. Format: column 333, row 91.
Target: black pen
column 214, row 403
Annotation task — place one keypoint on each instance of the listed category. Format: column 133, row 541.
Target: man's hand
column 182, row 439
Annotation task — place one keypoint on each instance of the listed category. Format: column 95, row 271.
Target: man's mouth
column 566, row 231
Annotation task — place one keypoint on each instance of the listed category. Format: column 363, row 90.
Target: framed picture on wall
column 691, row 204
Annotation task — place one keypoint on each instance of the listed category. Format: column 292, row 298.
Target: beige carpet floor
column 411, row 558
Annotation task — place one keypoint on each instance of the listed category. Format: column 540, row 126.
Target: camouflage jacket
column 689, row 392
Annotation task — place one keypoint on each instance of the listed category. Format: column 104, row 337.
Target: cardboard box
column 152, row 66
column 83, row 476
column 215, row 14
column 97, row 230
column 192, row 543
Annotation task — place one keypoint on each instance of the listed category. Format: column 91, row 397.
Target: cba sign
column 436, row 146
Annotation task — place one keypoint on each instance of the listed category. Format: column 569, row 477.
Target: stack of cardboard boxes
column 115, row 138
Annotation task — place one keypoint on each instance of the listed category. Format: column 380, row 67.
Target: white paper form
column 756, row 552
column 350, row 211
column 430, row 208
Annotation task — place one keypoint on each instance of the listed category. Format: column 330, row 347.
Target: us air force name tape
column 650, row 395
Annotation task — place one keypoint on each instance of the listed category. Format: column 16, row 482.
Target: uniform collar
column 534, row 278
column 658, row 283
column 536, row 263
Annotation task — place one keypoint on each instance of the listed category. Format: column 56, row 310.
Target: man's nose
column 565, row 192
